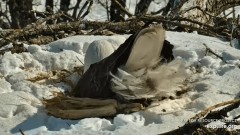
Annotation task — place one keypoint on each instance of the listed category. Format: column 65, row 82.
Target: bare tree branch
column 74, row 15
column 88, row 9
column 122, row 8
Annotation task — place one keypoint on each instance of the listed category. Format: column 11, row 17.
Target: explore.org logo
column 214, row 123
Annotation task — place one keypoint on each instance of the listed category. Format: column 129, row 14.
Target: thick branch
column 129, row 26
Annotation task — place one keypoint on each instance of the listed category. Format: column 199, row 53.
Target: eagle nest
column 140, row 72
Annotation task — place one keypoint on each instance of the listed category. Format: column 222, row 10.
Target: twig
column 211, row 51
column 219, row 114
column 88, row 9
column 108, row 10
column 32, row 101
column 42, row 14
column 206, row 111
column 106, row 7
column 96, row 31
column 22, row 133
column 74, row 15
column 67, row 16
column 52, row 17
column 80, row 61
column 122, row 8
column 199, row 8
column 82, row 9
column 237, row 117
column 4, row 14
column 175, row 10
column 222, row 6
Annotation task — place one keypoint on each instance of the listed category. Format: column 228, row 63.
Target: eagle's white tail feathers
column 154, row 82
column 168, row 78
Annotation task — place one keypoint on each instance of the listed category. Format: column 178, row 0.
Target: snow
column 212, row 81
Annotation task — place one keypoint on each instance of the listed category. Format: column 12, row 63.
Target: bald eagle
column 141, row 68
